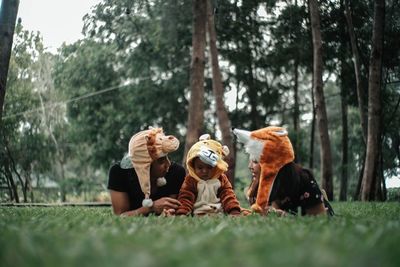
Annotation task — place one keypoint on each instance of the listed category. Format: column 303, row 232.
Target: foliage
column 143, row 46
column 25, row 149
column 131, row 71
column 393, row 194
column 361, row 234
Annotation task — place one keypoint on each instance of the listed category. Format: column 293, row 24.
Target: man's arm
column 120, row 205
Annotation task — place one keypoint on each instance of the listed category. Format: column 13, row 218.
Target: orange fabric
column 188, row 194
column 277, row 152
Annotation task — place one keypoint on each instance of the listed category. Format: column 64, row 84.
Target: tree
column 322, row 121
column 21, row 130
column 196, row 103
column 218, row 89
column 344, row 109
column 357, row 69
column 369, row 182
column 147, row 46
column 8, row 16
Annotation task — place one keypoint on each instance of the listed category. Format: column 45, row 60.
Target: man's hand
column 165, row 203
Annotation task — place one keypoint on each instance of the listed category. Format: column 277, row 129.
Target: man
column 145, row 181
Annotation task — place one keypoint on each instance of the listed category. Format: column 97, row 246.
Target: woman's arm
column 316, row 210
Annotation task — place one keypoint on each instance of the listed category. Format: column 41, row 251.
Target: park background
column 70, row 108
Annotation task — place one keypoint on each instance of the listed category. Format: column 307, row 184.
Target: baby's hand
column 235, row 213
column 245, row 212
column 168, row 212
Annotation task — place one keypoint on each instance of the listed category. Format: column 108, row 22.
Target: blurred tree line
column 67, row 116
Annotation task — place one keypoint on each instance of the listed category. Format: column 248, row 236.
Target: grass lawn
column 361, row 234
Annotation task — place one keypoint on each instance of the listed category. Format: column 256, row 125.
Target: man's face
column 159, row 167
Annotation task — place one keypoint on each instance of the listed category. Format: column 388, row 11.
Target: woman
column 278, row 183
column 294, row 187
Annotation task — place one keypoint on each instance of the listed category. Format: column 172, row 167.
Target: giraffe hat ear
column 145, row 147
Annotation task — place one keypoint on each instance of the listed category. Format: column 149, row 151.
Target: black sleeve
column 117, row 180
column 175, row 177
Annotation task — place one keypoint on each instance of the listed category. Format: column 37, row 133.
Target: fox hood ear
column 252, row 146
column 243, row 136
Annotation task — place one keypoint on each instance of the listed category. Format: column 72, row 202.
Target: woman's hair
column 287, row 182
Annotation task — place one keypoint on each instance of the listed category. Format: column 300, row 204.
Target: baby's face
column 203, row 170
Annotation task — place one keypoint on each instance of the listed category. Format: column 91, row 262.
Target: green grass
column 362, row 234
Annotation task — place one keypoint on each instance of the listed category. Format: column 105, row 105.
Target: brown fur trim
column 187, row 196
column 152, row 142
column 227, row 195
column 277, row 152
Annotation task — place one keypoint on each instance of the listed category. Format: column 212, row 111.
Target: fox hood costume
column 271, row 147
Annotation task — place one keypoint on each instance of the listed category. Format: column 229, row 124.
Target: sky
column 58, row 21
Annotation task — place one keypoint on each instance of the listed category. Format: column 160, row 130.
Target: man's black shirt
column 126, row 180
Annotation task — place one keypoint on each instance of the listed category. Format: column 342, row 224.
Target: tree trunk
column 13, row 186
column 296, row 111
column 374, row 104
column 357, row 70
column 218, row 89
column 252, row 92
column 10, row 168
column 357, row 193
column 384, row 189
column 322, row 120
column 344, row 178
column 312, row 134
column 196, row 102
column 344, row 107
column 8, row 16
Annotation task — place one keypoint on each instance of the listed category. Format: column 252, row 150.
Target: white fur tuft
column 255, row 148
column 281, row 132
column 225, row 151
column 204, row 137
column 161, row 181
column 147, row 202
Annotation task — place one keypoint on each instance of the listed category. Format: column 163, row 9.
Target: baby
column 206, row 189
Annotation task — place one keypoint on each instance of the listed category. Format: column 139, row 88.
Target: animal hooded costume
column 281, row 181
column 144, row 148
column 272, row 148
column 210, row 196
